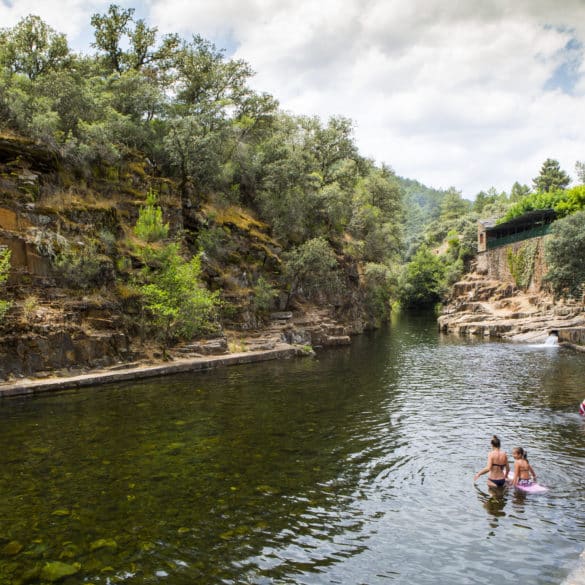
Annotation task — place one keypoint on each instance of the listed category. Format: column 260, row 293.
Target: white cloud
column 446, row 93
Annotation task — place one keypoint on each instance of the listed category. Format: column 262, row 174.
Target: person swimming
column 497, row 465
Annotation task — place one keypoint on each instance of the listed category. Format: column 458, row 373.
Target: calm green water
column 355, row 468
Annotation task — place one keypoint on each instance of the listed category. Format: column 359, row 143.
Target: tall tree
column 32, row 48
column 518, row 192
column 127, row 44
column 565, row 256
column 453, row 205
column 110, row 30
column 580, row 170
column 551, row 177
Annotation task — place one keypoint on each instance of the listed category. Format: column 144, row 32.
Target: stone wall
column 574, row 335
column 495, row 264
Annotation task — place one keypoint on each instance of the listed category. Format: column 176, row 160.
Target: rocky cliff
column 72, row 308
column 504, row 296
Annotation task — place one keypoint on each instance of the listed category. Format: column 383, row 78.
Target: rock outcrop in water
column 480, row 306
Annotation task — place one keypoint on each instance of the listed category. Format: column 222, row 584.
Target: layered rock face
column 484, row 307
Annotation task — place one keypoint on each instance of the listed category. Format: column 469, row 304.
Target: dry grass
column 233, row 215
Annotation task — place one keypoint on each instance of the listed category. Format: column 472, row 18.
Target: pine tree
column 551, row 177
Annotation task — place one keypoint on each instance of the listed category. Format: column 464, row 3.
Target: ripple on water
column 355, row 467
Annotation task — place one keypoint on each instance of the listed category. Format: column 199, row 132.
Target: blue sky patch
column 567, row 74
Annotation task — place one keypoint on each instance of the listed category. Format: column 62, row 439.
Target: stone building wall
column 495, row 263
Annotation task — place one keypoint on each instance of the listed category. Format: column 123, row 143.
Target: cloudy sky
column 463, row 93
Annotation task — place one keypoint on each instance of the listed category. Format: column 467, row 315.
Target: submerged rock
column 55, row 571
column 12, row 548
column 103, row 543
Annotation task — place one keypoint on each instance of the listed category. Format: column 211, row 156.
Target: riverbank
column 488, row 308
column 127, row 372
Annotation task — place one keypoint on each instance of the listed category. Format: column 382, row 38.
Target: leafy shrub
column 380, row 285
column 565, row 256
column 83, row 267
column 263, row 296
column 423, row 280
column 312, row 268
column 150, row 226
column 178, row 304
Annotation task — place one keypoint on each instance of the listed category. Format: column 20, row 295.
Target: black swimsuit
column 498, row 482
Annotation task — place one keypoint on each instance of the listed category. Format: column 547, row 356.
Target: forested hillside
column 154, row 188
column 150, row 178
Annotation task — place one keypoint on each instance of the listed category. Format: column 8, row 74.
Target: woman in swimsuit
column 497, row 466
column 522, row 469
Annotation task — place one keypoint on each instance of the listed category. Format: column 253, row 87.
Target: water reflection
column 352, row 467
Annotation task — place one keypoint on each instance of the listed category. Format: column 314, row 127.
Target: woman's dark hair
column 523, row 454
column 495, row 442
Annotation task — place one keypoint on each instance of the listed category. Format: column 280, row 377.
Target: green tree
column 580, row 171
column 453, row 205
column 573, row 201
column 565, row 256
column 178, row 305
column 518, row 192
column 33, row 48
column 311, row 269
column 126, row 44
column 422, row 281
column 110, row 30
column 551, row 177
column 176, row 301
column 380, row 287
column 149, row 225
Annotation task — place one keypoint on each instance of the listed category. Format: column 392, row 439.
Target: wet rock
column 31, row 575
column 56, row 571
column 103, row 543
column 12, row 548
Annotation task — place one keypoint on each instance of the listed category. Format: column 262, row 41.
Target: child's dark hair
column 495, row 442
column 523, row 454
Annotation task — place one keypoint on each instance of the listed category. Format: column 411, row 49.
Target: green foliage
column 573, row 201
column 192, row 112
column 150, row 226
column 563, row 202
column 83, row 266
column 33, row 48
column 521, row 263
column 177, row 303
column 312, row 268
column 539, row 200
column 380, row 285
column 551, row 177
column 422, row 280
column 518, row 192
column 4, row 271
column 453, row 205
column 263, row 296
column 565, row 256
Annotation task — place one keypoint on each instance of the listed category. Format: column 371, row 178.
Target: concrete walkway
column 198, row 364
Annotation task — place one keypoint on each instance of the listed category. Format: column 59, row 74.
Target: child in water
column 522, row 469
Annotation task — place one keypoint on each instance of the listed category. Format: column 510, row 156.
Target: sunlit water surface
column 354, row 467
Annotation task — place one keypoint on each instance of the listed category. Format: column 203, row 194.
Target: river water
column 354, row 467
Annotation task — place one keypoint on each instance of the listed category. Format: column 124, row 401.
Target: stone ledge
column 27, row 386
